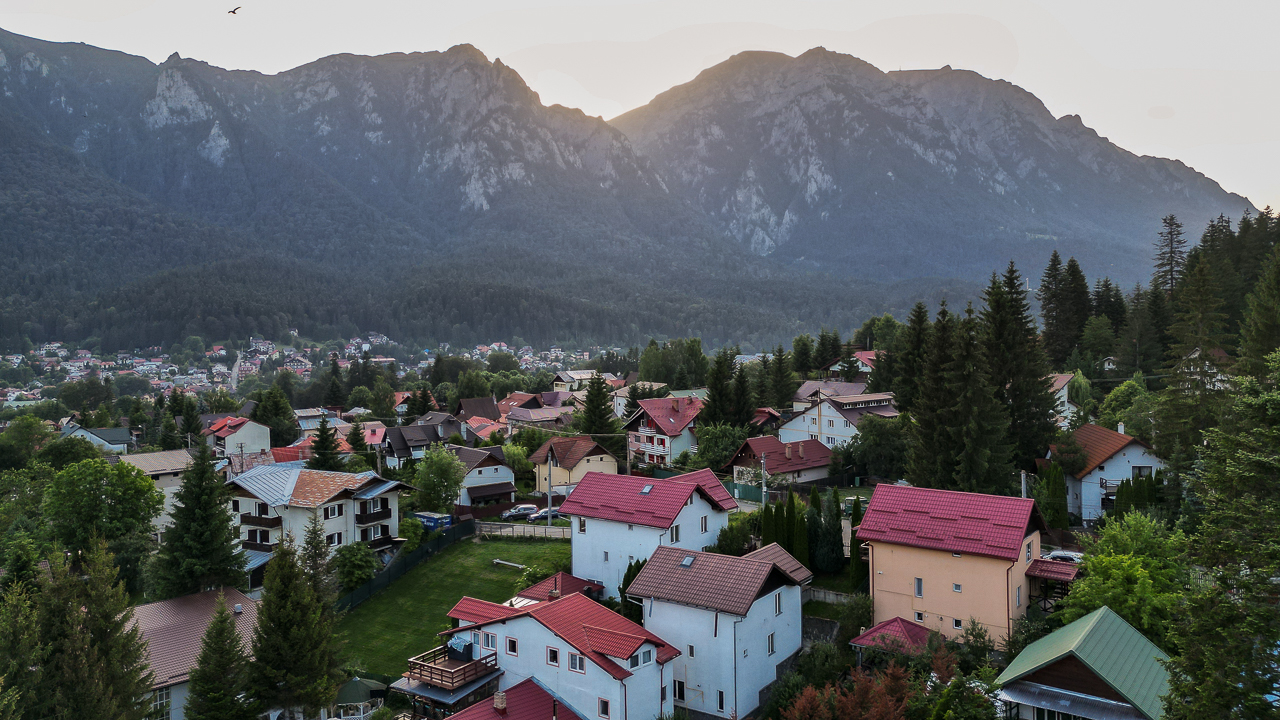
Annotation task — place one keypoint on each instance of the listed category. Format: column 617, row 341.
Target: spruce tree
column 1260, row 332
column 931, row 457
column 1017, row 366
column 979, row 423
column 219, row 680
column 744, row 405
column 170, row 439
column 1108, row 301
column 191, row 425
column 768, row 531
column 1049, row 295
column 764, row 397
column 787, row 528
column 780, row 383
column 291, row 643
column 857, row 566
column 201, row 549
column 802, row 354
column 356, row 441
column 718, row 407
column 911, row 358
column 1171, row 254
column 1196, row 390
column 335, row 393
column 23, row 653
column 800, row 533
column 597, row 420
column 324, row 449
column 317, row 566
column 277, row 414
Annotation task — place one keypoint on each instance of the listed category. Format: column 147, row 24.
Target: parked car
column 520, row 512
column 541, row 515
column 1065, row 556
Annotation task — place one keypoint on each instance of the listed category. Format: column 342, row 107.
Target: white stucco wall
column 1084, row 495
column 484, row 476
column 814, row 422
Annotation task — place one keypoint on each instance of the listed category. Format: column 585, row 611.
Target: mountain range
column 432, row 196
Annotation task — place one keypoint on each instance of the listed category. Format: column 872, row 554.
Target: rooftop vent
column 646, row 490
column 687, row 561
column 238, row 608
column 500, row 702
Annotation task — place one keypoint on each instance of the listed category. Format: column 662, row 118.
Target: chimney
column 553, row 595
column 675, row 403
column 1120, row 428
column 238, row 609
column 500, row 702
column 801, row 450
column 788, row 451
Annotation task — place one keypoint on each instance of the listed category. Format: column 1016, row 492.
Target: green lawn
column 816, row 608
column 388, row 629
column 839, row 582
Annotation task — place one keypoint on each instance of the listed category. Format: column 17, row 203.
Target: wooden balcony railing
column 435, row 668
column 261, row 521
column 370, row 518
column 379, row 542
column 264, row 547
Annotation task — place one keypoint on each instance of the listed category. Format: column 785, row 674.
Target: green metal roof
column 1123, row 657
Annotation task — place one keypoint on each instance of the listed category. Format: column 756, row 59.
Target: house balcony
column 261, row 521
column 436, row 668
column 655, row 449
column 647, row 430
column 379, row 542
column 373, row 517
column 261, row 547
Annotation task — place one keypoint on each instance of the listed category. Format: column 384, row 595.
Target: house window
column 919, row 617
column 646, row 657
column 664, row 694
column 813, row 420
column 490, row 641
column 919, row 587
column 1017, row 597
column 332, row 511
column 955, row 554
column 720, row 700
column 262, row 509
column 1141, row 471
column 333, row 539
column 577, row 663
column 161, row 703
column 675, row 533
column 553, row 656
column 235, row 506
column 634, row 661
column 813, row 436
column 513, row 646
column 1028, row 552
column 777, row 604
column 582, row 525
column 831, row 423
column 831, row 440
column 957, row 624
column 606, row 556
column 475, row 639
column 704, row 523
column 602, row 708
column 690, row 500
column 771, row 643
column 846, row 423
column 260, row 536
column 690, row 651
column 955, row 587
column 677, row 690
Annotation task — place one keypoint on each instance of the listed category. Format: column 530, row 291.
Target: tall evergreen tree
column 335, row 393
column 1049, row 294
column 911, row 358
column 979, row 422
column 931, row 458
column 744, row 406
column 718, row 407
column 324, row 449
column 1108, row 301
column 768, row 530
column 781, row 384
column 787, row 529
column 1017, row 366
column 1171, row 254
column 1260, row 332
column 764, row 374
column 291, row 648
column 191, row 425
column 170, row 439
column 201, row 549
column 23, row 653
column 1195, row 394
column 597, row 420
column 355, row 440
column 219, row 680
column 857, row 566
column 827, row 350
column 800, row 533
column 802, row 354
column 275, row 412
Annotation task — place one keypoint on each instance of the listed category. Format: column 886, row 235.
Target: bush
column 532, row 575
column 857, row 614
column 354, row 565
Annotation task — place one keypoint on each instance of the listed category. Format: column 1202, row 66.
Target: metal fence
column 554, row 532
column 824, row 595
column 403, row 563
column 739, row 491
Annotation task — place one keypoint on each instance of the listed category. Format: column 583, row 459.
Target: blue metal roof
column 256, row 559
column 376, row 489
column 272, row 484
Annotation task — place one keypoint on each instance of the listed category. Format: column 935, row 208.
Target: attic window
column 646, row 490
column 687, row 561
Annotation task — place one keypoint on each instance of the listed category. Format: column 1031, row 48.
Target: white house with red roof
column 738, row 620
column 793, row 462
column 834, row 420
column 664, row 428
column 1063, row 407
column 237, row 436
column 577, row 648
column 526, row 700
column 1111, row 457
column 620, row 518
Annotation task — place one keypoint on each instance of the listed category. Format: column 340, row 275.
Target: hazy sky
column 1195, row 81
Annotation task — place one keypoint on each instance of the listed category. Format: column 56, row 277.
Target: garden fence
column 554, row 532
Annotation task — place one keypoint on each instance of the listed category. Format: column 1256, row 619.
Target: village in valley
column 1041, row 506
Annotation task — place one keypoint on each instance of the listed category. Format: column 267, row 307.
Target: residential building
column 834, row 420
column 1111, row 457
column 738, row 620
column 173, row 630
column 555, row 417
column 165, row 469
column 793, row 462
column 574, row 380
column 309, row 420
column 271, row 501
column 1096, row 667
column 561, row 462
column 557, row 586
column 617, row 519
column 664, row 428
column 940, row 557
column 115, row 441
column 488, row 480
column 412, row 441
column 812, row 390
column 237, row 436
column 1064, row 409
column 528, row 699
column 482, row 407
column 584, row 652
column 620, row 396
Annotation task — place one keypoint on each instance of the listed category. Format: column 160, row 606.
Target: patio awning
column 409, row 686
column 360, row 690
column 1059, row 570
column 1071, row 703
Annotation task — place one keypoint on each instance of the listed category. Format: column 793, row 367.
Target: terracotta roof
column 764, row 415
column 774, row 553
column 867, row 357
column 562, row 582
column 485, row 407
column 174, row 629
column 592, row 629
column 568, row 451
column 159, row 463
column 990, row 525
column 471, row 610
column 805, row 454
column 1059, row 381
column 227, row 426
column 518, row 399
column 475, row 457
column 307, row 442
column 894, row 634
column 301, row 487
column 672, row 414
column 723, row 583
column 1053, row 570
column 243, row 463
column 621, row 498
column 1100, row 444
column 526, row 700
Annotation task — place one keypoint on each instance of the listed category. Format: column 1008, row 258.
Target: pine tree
column 802, row 354
column 1064, row 300
column 356, row 441
column 317, row 566
column 800, row 534
column 857, row 566
column 744, row 406
column 1196, row 391
column 827, row 350
column 979, row 423
column 324, row 450
column 191, row 425
column 911, row 358
column 1049, row 294
column 597, row 420
column 200, row 550
column 336, row 393
column 768, row 531
column 291, row 646
column 169, row 437
column 764, row 398
column 780, row 383
column 718, row 407
column 1171, row 254
column 219, row 680
column 23, row 654
column 1108, row 301
column 931, row 459
column 1017, row 366
column 787, row 529
column 277, row 414
column 1260, row 332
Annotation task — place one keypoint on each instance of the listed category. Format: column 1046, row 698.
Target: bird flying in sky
column 233, row 12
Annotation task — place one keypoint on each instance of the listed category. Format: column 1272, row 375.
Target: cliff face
column 943, row 172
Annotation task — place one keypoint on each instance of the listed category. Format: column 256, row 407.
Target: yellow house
column 562, row 461
column 939, row 558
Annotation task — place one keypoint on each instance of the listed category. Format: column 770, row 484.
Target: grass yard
column 388, row 629
column 816, row 608
column 839, row 582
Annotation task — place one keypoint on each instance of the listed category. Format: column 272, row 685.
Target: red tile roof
column 226, row 426
column 174, row 630
column 568, row 451
column 592, row 629
column 1059, row 380
column 989, row 525
column 1100, row 444
column 621, row 498
column 867, row 357
column 526, row 700
column 672, row 415
column 562, row 582
column 723, row 583
column 307, row 442
column 805, row 454
column 1059, row 570
column 894, row 634
column 765, row 415
column 774, row 553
